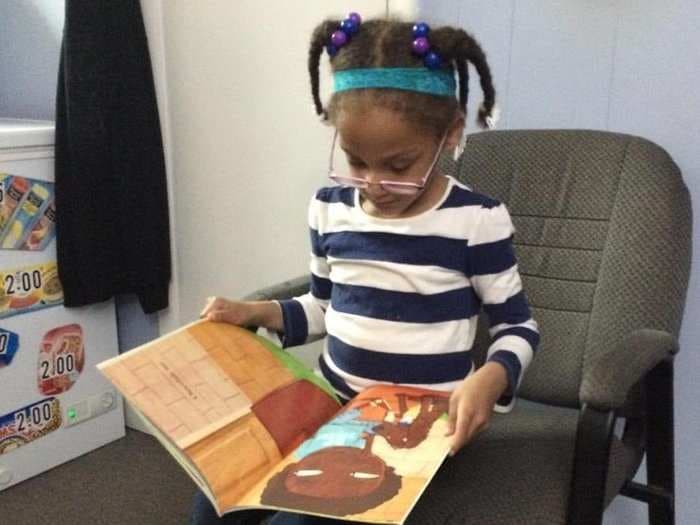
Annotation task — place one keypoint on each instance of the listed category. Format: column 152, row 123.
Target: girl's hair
column 387, row 43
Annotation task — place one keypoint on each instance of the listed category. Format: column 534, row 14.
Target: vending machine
column 54, row 404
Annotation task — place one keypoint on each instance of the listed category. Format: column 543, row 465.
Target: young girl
column 403, row 257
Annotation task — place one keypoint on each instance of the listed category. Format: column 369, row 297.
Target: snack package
column 43, row 230
column 9, row 344
column 29, row 288
column 27, row 213
column 61, row 359
column 13, row 191
column 29, row 423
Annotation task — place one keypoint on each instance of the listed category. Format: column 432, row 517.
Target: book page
column 183, row 459
column 227, row 404
column 370, row 463
column 185, row 392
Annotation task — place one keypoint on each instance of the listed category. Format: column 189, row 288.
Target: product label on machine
column 29, row 423
column 9, row 344
column 27, row 213
column 61, row 359
column 29, row 288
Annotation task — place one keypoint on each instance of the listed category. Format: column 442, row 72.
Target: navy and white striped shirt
column 399, row 298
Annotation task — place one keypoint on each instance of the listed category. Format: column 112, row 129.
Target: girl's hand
column 471, row 404
column 244, row 313
column 223, row 310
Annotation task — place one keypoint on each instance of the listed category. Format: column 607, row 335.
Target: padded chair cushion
column 492, row 481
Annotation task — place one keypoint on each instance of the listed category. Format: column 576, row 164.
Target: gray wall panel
column 30, row 40
column 655, row 94
column 561, row 64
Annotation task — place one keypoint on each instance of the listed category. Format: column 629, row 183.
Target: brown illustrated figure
column 336, row 480
column 401, row 434
column 344, row 480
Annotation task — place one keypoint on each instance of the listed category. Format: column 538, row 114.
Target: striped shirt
column 399, row 298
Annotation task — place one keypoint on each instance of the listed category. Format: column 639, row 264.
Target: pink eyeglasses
column 391, row 186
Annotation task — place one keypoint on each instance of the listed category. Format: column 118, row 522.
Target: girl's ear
column 455, row 133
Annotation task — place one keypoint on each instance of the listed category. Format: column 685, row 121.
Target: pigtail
column 319, row 39
column 463, row 77
column 458, row 45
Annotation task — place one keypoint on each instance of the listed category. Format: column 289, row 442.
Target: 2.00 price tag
column 29, row 423
column 29, row 288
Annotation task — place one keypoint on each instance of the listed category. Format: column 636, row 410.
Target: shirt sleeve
column 304, row 317
column 495, row 279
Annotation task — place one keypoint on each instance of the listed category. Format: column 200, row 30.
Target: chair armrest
column 608, row 380
column 284, row 290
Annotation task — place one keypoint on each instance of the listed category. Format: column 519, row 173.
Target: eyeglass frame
column 360, row 183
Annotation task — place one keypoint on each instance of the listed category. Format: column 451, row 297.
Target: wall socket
column 91, row 407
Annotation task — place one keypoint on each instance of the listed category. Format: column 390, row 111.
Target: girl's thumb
column 451, row 423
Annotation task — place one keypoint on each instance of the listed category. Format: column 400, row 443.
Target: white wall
column 622, row 65
column 247, row 148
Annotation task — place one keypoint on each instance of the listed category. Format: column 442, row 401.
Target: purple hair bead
column 421, row 29
column 421, row 46
column 339, row 38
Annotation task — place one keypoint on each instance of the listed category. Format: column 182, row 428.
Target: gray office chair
column 603, row 238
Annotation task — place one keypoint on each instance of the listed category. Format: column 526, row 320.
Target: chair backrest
column 603, row 239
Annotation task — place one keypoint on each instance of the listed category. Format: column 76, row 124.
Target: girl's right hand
column 244, row 313
column 223, row 310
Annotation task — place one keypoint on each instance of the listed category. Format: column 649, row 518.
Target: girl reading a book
column 403, row 255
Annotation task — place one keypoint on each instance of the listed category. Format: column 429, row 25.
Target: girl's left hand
column 472, row 402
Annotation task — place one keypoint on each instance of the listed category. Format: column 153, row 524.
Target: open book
column 254, row 428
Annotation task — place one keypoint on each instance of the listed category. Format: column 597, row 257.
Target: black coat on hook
column 111, row 194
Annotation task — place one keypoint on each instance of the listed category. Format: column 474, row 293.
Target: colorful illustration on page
column 359, row 465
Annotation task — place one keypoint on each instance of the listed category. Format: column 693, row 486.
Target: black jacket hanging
column 111, row 195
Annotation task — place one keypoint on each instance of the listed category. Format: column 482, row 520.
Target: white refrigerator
column 54, row 404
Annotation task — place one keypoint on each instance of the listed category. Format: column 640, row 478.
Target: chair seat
column 519, row 471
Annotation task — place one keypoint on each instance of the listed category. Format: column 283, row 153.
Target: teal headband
column 423, row 80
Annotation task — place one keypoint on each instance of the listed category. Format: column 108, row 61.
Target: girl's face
column 381, row 146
